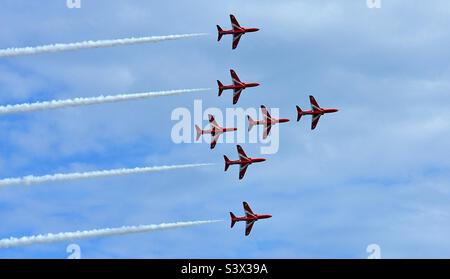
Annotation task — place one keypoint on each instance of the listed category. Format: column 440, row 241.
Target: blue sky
column 376, row 172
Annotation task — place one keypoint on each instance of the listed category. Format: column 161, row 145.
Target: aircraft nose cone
column 256, row 29
column 269, row 215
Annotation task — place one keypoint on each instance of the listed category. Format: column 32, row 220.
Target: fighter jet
column 250, row 218
column 237, row 31
column 244, row 161
column 215, row 131
column 237, row 86
column 316, row 112
column 268, row 121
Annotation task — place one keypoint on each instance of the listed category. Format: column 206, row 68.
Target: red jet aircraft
column 215, row 131
column 316, row 112
column 237, row 31
column 237, row 86
column 268, row 121
column 244, row 161
column 250, row 218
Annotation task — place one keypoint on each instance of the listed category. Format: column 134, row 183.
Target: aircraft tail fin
column 199, row 132
column 227, row 162
column 299, row 113
column 219, row 33
column 233, row 219
column 251, row 122
column 220, row 85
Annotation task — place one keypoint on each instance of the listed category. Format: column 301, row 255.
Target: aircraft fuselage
column 249, row 161
column 321, row 111
column 256, row 217
column 240, row 31
column 240, row 86
column 215, row 131
column 272, row 121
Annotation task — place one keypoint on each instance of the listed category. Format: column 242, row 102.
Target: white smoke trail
column 10, row 52
column 69, row 236
column 29, row 180
column 56, row 104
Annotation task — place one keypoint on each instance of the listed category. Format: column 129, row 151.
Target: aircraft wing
column 236, row 39
column 213, row 122
column 234, row 23
column 249, row 227
column 314, row 105
column 214, row 140
column 267, row 118
column 235, row 78
column 267, row 128
column 266, row 113
column 248, row 211
column 315, row 121
column 241, row 153
column 243, row 170
column 236, row 95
